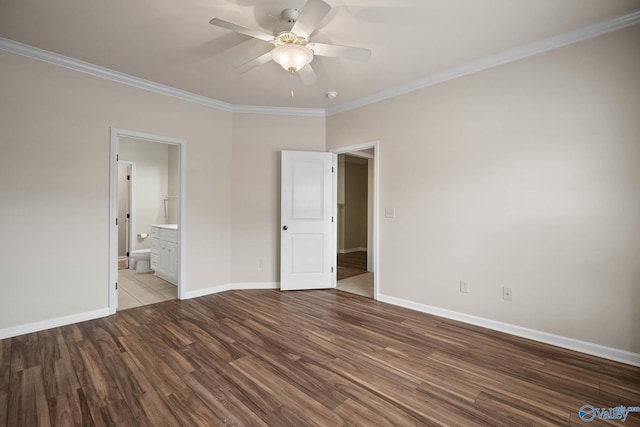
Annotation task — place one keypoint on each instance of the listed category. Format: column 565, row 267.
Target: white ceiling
column 171, row 41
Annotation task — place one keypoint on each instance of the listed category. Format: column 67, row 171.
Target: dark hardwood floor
column 351, row 264
column 320, row 358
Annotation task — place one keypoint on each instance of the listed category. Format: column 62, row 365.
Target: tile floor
column 137, row 289
column 362, row 284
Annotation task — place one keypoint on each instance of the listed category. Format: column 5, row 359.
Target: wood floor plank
column 370, row 399
column 27, row 399
column 190, row 409
column 63, row 411
column 291, row 396
column 24, row 352
column 99, row 387
column 513, row 413
column 312, row 358
column 299, row 377
column 217, row 393
column 145, row 360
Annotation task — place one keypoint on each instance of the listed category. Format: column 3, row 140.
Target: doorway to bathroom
column 147, row 216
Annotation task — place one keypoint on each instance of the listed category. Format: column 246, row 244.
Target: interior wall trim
column 545, row 337
column 32, row 52
column 255, row 285
column 231, row 287
column 510, row 55
column 207, row 291
column 532, row 334
column 27, row 328
column 569, row 37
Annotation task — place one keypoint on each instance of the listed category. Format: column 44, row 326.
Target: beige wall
column 526, row 175
column 151, row 184
column 54, row 185
column 355, row 206
column 257, row 143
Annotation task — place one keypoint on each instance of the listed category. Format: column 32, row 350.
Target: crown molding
column 18, row 48
column 540, row 46
column 106, row 73
column 283, row 111
column 569, row 37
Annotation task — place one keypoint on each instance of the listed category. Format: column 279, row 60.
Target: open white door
column 307, row 253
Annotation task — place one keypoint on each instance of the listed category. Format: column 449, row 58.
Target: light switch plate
column 465, row 286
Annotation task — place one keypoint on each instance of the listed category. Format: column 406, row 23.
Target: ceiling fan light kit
column 291, row 52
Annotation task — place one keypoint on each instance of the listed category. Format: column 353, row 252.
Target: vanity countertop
column 166, row 226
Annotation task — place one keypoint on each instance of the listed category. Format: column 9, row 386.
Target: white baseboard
column 545, row 337
column 348, row 251
column 207, row 291
column 27, row 328
column 256, row 285
column 230, row 287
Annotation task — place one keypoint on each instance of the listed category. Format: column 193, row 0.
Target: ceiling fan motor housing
column 290, row 15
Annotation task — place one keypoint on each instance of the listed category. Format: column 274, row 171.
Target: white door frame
column 113, row 209
column 376, row 200
column 132, row 205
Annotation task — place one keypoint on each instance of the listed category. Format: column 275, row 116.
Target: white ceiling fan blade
column 310, row 17
column 242, row 30
column 307, row 75
column 343, row 52
column 260, row 60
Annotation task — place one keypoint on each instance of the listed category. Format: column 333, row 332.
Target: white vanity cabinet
column 164, row 252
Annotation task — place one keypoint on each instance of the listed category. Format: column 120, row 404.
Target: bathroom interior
column 148, row 209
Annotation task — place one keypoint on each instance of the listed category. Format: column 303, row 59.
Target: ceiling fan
column 292, row 48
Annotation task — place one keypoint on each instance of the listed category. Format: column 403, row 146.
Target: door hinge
column 331, row 169
column 128, row 177
column 128, row 216
column 116, row 286
column 116, row 221
column 127, row 253
column 331, row 219
column 332, row 269
column 117, row 157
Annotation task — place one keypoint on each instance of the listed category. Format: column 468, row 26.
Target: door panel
column 308, row 183
column 309, row 251
column 306, row 260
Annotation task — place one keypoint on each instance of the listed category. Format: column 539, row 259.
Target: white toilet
column 142, row 258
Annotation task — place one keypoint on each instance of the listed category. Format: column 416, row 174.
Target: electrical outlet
column 465, row 286
column 507, row 294
column 261, row 263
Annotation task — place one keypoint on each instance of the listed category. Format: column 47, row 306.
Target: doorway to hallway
column 355, row 225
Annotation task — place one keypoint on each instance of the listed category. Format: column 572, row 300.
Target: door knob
column 285, row 228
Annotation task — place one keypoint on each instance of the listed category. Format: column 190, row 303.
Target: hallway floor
column 362, row 284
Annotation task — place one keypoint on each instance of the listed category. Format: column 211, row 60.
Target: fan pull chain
column 291, row 83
